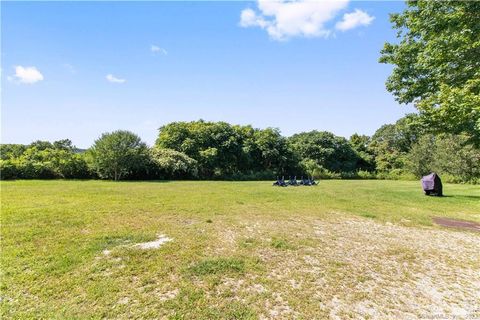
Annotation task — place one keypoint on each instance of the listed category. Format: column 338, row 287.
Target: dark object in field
column 454, row 223
column 293, row 182
column 280, row 182
column 303, row 182
column 432, row 185
column 308, row 182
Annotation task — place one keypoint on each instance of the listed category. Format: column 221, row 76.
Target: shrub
column 8, row 170
column 454, row 157
column 396, row 174
column 174, row 164
column 366, row 174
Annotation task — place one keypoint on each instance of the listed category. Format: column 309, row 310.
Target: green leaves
column 174, row 164
column 327, row 150
column 223, row 150
column 451, row 155
column 118, row 154
column 42, row 160
column 437, row 63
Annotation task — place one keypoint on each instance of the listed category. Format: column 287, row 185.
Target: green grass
column 225, row 235
column 218, row 266
column 279, row 243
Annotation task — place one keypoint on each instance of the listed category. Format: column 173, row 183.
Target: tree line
column 436, row 68
column 219, row 150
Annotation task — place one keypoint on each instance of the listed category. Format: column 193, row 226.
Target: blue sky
column 76, row 70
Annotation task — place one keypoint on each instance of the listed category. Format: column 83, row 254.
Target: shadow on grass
column 149, row 181
column 469, row 197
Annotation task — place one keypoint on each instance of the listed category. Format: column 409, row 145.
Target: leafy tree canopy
column 437, row 64
column 329, row 151
column 446, row 154
column 222, row 149
column 391, row 142
column 361, row 145
column 118, row 154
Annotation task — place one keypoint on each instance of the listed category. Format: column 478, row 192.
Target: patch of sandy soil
column 359, row 268
column 153, row 244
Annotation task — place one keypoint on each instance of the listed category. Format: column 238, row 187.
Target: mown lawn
column 239, row 250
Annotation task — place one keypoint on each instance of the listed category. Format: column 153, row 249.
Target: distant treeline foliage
column 218, row 150
column 436, row 67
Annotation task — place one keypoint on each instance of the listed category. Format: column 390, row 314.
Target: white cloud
column 248, row 18
column 27, row 75
column 157, row 49
column 284, row 19
column 112, row 78
column 354, row 19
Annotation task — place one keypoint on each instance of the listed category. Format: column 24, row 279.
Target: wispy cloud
column 156, row 49
column 26, row 75
column 354, row 19
column 112, row 78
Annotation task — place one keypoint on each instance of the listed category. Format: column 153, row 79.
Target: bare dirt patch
column 455, row 223
column 153, row 244
column 359, row 268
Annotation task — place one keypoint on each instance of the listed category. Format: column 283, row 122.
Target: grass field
column 239, row 250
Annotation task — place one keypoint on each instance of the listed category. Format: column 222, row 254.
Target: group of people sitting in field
column 294, row 182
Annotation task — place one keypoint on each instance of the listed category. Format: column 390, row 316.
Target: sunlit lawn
column 240, row 250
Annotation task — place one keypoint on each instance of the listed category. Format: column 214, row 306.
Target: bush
column 31, row 169
column 396, row 174
column 73, row 167
column 451, row 156
column 8, row 170
column 173, row 164
column 366, row 174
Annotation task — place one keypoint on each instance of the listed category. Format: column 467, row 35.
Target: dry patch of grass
column 357, row 268
column 344, row 249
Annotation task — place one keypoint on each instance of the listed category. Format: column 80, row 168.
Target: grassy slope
column 54, row 232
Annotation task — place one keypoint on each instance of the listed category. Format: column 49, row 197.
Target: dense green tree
column 274, row 152
column 8, row 169
column 41, row 160
column 217, row 146
column 458, row 157
column 41, row 145
column 391, row 142
column 329, row 151
column 452, row 155
column 10, row 151
column 437, row 64
column 65, row 144
column 174, row 164
column 361, row 145
column 223, row 150
column 422, row 156
column 118, row 155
